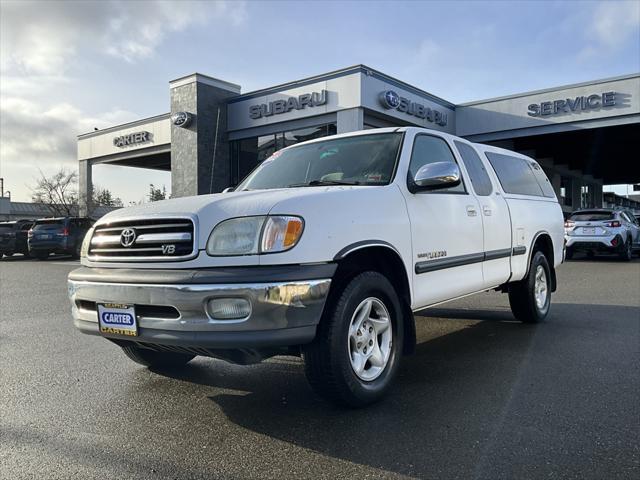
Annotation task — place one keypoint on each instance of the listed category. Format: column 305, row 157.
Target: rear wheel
column 568, row 254
column 41, row 255
column 627, row 251
column 530, row 298
column 76, row 250
column 356, row 352
column 151, row 358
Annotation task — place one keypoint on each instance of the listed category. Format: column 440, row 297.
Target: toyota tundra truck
column 324, row 251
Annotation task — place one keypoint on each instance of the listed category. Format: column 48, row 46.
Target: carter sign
column 132, row 139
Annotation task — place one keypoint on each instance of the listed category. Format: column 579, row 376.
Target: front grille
column 133, row 240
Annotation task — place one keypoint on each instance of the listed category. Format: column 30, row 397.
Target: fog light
column 228, row 308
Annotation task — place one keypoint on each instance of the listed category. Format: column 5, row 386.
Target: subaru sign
column 390, row 100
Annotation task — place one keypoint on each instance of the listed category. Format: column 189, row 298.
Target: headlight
column 254, row 235
column 84, row 250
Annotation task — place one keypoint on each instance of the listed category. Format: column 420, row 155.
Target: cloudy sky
column 67, row 67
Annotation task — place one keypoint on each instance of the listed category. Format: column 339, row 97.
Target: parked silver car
column 602, row 231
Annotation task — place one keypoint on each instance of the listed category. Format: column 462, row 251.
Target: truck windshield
column 360, row 160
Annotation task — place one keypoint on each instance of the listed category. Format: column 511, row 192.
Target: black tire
column 41, row 255
column 568, row 254
column 153, row 359
column 626, row 254
column 522, row 298
column 76, row 250
column 328, row 358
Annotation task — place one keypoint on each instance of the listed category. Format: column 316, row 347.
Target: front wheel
column 357, row 350
column 151, row 358
column 530, row 298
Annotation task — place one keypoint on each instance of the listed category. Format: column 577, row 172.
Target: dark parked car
column 58, row 235
column 13, row 237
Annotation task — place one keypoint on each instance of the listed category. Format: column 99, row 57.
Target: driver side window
column 430, row 149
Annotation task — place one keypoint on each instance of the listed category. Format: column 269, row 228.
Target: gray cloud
column 41, row 41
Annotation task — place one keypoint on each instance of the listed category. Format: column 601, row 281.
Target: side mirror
column 227, row 190
column 437, row 175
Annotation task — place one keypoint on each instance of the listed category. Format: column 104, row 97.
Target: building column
column 577, row 192
column 350, row 120
column 85, row 188
column 200, row 154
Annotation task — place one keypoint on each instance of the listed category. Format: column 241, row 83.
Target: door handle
column 486, row 210
column 471, row 211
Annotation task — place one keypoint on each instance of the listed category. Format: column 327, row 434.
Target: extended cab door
column 446, row 231
column 494, row 211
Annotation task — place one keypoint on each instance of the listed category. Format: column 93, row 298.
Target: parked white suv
column 324, row 251
column 602, row 230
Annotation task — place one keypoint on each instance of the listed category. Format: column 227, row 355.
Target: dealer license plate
column 588, row 231
column 117, row 319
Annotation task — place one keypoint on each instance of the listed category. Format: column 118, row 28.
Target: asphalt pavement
column 483, row 397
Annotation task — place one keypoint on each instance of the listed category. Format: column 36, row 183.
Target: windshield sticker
column 329, row 153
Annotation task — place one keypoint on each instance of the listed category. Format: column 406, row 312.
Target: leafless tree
column 58, row 192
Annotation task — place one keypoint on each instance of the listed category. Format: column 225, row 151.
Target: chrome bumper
column 282, row 313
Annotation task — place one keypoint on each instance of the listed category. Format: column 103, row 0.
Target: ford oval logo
column 390, row 99
column 128, row 237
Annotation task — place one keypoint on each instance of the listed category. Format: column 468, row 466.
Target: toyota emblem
column 127, row 237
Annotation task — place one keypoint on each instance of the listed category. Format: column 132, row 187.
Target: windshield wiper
column 319, row 183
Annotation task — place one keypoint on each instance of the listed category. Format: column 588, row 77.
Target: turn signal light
column 569, row 224
column 30, row 234
column 613, row 224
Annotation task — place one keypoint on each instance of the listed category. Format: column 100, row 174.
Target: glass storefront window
column 248, row 153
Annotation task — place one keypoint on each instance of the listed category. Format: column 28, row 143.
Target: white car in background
column 324, row 251
column 602, row 230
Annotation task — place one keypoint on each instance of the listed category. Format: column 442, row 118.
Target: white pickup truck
column 325, row 250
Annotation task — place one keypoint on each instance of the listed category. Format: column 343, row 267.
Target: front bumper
column 286, row 304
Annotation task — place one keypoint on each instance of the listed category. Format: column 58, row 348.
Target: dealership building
column 584, row 135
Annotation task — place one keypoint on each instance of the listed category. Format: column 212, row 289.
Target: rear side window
column 515, row 174
column 475, row 168
column 431, row 149
column 543, row 181
column 591, row 216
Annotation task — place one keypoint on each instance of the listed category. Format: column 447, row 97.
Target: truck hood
column 212, row 209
